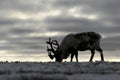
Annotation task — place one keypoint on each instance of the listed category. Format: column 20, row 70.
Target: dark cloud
column 108, row 10
column 111, row 43
column 25, row 6
column 24, row 44
column 21, row 31
column 71, row 24
column 90, row 5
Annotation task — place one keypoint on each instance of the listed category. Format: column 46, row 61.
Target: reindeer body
column 72, row 43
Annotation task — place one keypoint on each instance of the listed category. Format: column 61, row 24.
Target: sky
column 25, row 25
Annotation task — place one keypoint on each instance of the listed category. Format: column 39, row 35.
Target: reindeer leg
column 101, row 53
column 76, row 56
column 92, row 55
column 72, row 55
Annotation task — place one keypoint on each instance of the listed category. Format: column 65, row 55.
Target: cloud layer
column 26, row 25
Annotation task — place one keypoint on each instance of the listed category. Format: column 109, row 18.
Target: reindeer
column 72, row 43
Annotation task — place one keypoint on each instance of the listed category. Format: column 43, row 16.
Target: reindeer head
column 53, row 51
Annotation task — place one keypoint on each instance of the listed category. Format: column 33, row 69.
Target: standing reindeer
column 72, row 43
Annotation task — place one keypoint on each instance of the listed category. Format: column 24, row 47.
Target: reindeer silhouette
column 72, row 43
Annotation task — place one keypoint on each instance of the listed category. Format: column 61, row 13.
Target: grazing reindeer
column 72, row 43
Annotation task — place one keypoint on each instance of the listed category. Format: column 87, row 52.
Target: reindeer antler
column 54, row 47
column 49, row 53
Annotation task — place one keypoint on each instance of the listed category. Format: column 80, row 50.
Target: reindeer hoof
column 90, row 61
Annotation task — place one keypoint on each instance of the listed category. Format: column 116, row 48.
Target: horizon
column 83, row 56
column 27, row 25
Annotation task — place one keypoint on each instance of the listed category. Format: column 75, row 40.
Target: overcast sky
column 25, row 25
